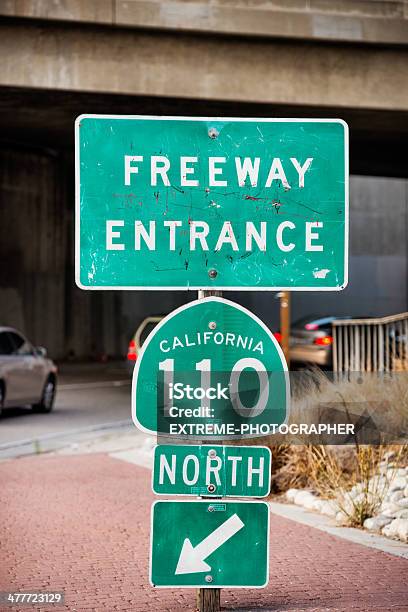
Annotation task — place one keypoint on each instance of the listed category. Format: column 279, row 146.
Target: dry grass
column 335, row 473
column 289, row 468
column 308, row 467
column 359, row 493
column 382, row 397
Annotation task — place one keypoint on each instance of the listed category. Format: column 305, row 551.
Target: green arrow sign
column 234, row 471
column 209, row 544
column 210, row 369
column 175, row 203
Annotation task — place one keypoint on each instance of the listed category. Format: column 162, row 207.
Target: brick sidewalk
column 81, row 524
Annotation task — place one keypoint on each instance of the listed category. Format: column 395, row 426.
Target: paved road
column 81, row 524
column 87, row 397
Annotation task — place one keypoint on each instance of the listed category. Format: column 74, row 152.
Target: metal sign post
column 211, row 370
column 211, row 204
column 285, row 324
column 208, row 600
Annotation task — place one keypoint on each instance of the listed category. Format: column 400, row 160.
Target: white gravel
column 389, row 489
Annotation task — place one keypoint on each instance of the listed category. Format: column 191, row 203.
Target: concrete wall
column 378, row 253
column 36, row 272
column 366, row 21
column 174, row 64
column 34, row 222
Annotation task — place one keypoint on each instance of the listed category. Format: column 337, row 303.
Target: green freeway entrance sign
column 176, row 203
column 221, row 471
column 210, row 369
column 209, row 544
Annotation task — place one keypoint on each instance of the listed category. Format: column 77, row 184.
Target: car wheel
column 47, row 399
column 1, row 399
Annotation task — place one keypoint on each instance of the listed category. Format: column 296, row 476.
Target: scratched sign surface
column 167, row 203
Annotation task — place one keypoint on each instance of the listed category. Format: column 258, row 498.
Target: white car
column 27, row 376
column 146, row 326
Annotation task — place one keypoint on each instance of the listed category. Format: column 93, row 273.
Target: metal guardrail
column 371, row 345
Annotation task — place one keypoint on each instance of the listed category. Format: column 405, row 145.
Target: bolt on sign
column 204, row 203
column 209, row 544
column 210, row 369
column 221, row 471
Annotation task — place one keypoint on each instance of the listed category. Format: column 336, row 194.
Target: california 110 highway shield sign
column 210, row 369
column 202, row 203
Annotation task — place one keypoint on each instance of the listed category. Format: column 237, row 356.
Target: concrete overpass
column 345, row 58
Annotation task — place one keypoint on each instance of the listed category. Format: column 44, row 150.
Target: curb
column 358, row 536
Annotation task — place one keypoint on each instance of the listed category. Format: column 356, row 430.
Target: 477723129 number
column 31, row 598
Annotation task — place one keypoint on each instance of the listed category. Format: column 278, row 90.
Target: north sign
column 209, row 544
column 210, row 369
column 220, row 471
column 204, row 203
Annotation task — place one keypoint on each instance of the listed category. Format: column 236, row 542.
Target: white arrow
column 191, row 558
